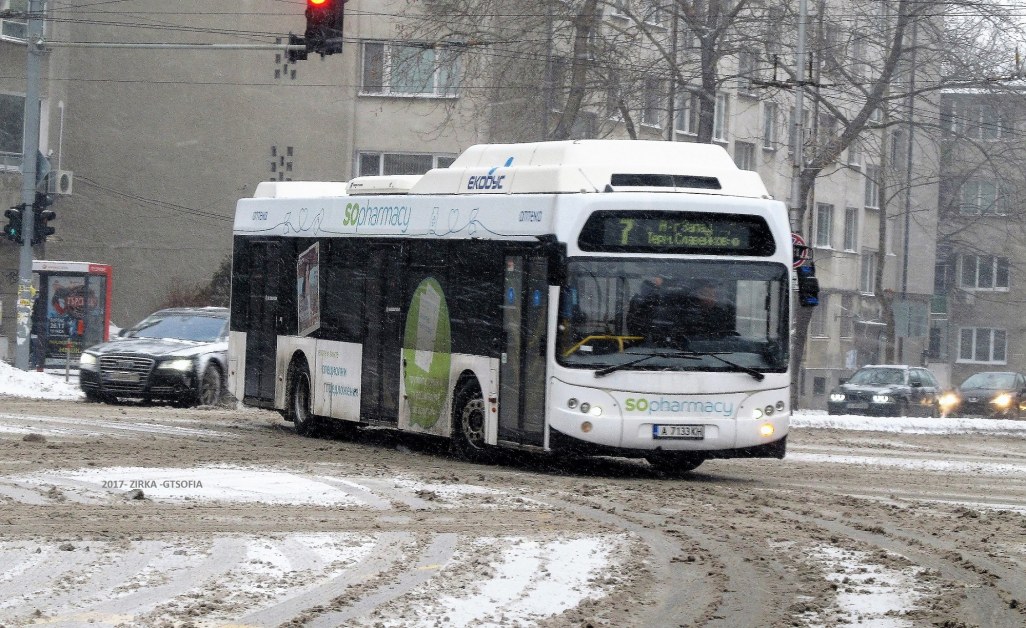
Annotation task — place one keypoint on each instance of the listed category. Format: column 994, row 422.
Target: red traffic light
column 324, row 19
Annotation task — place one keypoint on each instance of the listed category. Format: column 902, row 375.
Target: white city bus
column 609, row 297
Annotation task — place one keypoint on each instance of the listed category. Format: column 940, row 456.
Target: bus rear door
column 379, row 398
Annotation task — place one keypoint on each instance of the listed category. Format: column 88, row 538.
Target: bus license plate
column 690, row 432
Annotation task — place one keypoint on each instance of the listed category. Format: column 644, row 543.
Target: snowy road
column 143, row 516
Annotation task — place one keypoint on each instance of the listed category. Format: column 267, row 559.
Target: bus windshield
column 663, row 314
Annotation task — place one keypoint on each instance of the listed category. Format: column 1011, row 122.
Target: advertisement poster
column 427, row 349
column 71, row 303
column 308, row 290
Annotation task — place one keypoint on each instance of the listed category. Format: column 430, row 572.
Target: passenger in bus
column 709, row 312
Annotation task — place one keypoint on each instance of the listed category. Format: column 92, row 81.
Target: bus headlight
column 766, row 430
column 571, row 403
column 595, row 411
column 585, row 407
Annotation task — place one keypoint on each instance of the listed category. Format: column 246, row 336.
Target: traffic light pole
column 33, row 63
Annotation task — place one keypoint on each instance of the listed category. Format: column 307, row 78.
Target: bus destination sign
column 677, row 232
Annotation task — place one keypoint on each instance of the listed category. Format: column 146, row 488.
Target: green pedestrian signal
column 13, row 228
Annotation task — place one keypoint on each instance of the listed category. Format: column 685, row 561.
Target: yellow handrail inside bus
column 619, row 340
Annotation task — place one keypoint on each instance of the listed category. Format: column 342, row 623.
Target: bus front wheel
column 469, row 428
column 675, row 464
column 299, row 400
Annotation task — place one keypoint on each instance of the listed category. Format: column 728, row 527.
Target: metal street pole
column 798, row 166
column 30, row 148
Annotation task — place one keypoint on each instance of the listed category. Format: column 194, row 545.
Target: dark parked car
column 178, row 355
column 887, row 390
column 990, row 394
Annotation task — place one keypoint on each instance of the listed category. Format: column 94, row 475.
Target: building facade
column 976, row 321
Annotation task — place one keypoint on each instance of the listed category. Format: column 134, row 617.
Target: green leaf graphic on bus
column 427, row 348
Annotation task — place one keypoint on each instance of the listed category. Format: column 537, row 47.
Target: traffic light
column 324, row 26
column 42, row 216
column 12, row 230
column 808, row 285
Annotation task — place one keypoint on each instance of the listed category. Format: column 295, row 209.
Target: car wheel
column 675, row 464
column 469, row 424
column 210, row 386
column 299, row 401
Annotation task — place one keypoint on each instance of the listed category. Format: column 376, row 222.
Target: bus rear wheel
column 469, row 424
column 675, row 464
column 298, row 405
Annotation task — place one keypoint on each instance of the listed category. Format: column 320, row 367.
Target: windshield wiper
column 648, row 356
column 744, row 369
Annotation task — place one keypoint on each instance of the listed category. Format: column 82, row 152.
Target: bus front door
column 379, row 398
column 262, row 336
column 522, row 368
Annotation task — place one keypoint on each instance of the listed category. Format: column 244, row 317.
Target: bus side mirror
column 808, row 286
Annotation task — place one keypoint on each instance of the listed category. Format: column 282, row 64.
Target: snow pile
column 907, row 425
column 35, row 385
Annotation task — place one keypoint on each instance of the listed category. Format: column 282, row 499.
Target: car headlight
column 86, row 361
column 1003, row 400
column 836, row 396
column 948, row 399
column 882, row 399
column 181, row 364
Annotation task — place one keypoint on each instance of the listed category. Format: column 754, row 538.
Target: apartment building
column 163, row 141
column 976, row 316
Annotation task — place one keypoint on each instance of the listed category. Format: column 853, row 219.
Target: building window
column 769, row 125
column 12, row 121
column 855, row 153
column 872, row 187
column 372, row 164
column 819, row 386
column 980, row 196
column 847, row 316
column 818, row 323
column 744, row 155
column 867, row 273
column 689, row 107
column 899, row 149
column 975, row 121
column 394, row 70
column 983, row 272
column 851, row 228
column 745, row 72
column 14, row 28
column 720, row 117
column 653, row 100
column 982, row 345
column 654, row 12
column 824, row 224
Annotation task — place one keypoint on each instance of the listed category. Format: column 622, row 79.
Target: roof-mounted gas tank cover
column 591, row 166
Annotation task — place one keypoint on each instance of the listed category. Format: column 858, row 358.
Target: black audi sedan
column 178, row 355
column 989, row 394
column 887, row 390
